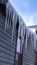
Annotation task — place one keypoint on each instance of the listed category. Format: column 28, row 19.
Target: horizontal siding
column 28, row 55
column 7, row 47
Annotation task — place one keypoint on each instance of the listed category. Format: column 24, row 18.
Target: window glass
column 17, row 24
column 3, row 9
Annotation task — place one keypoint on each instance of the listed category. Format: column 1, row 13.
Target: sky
column 27, row 10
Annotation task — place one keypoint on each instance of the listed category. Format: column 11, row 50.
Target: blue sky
column 27, row 9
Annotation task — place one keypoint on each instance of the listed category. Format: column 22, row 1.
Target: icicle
column 26, row 41
column 13, row 26
column 6, row 23
column 6, row 18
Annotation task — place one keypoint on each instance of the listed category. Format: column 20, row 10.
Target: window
column 3, row 9
column 17, row 24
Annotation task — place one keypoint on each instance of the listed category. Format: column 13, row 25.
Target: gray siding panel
column 7, row 47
